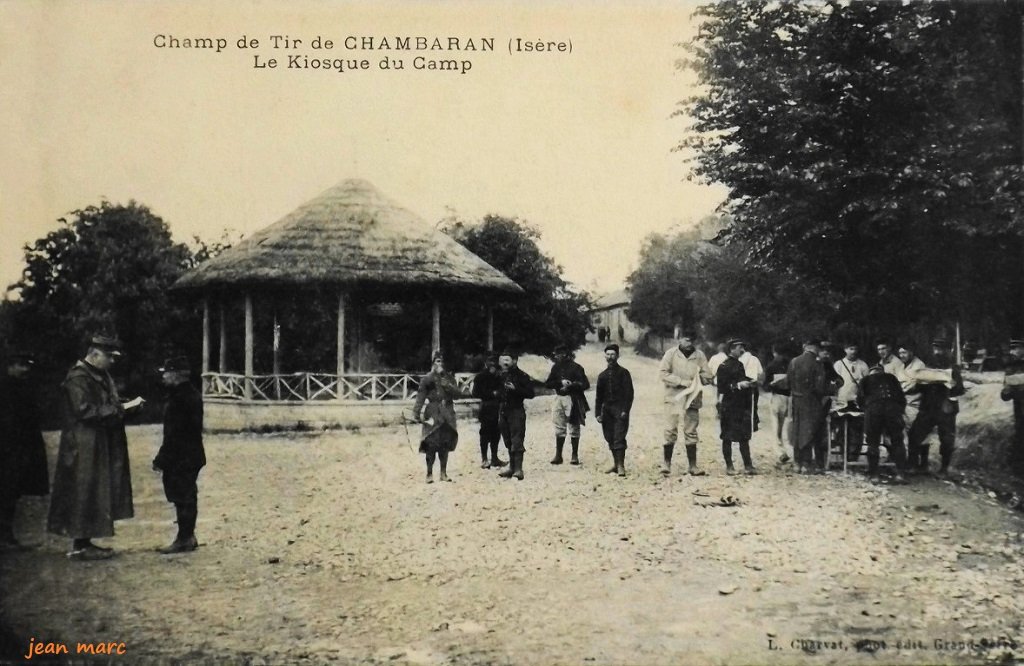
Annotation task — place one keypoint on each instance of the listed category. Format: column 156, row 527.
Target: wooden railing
column 309, row 386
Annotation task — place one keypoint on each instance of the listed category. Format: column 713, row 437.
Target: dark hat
column 106, row 342
column 876, row 368
column 1016, row 343
column 612, row 347
column 736, row 341
column 808, row 341
column 175, row 364
column 909, row 346
column 940, row 342
column 508, row 351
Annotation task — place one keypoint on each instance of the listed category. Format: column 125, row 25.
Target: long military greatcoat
column 23, row 468
column 435, row 402
column 808, row 386
column 92, row 484
column 737, row 403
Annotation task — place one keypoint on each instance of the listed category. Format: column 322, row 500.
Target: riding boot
column 921, row 461
column 873, row 466
column 575, row 441
column 559, row 445
column 947, row 458
column 518, row 460
column 507, row 473
column 495, row 460
column 691, row 459
column 483, row 453
column 727, row 455
column 620, row 462
column 666, row 464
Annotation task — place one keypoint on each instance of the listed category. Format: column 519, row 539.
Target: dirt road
column 331, row 549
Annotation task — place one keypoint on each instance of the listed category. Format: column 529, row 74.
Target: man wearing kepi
column 684, row 372
column 737, row 402
column 181, row 455
column 613, row 401
column 1013, row 389
column 487, row 389
column 881, row 397
column 940, row 384
column 23, row 469
column 516, row 386
column 808, row 388
column 569, row 409
column 92, row 484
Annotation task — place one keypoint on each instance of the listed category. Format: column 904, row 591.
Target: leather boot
column 559, row 445
column 518, row 461
column 691, row 458
column 666, row 464
column 620, row 462
column 575, row 441
column 921, row 463
column 507, row 473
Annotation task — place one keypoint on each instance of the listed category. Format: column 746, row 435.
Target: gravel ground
column 331, row 549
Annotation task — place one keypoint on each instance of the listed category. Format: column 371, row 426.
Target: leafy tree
column 550, row 312
column 107, row 268
column 871, row 147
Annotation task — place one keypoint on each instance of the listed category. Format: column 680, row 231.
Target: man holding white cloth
column 684, row 372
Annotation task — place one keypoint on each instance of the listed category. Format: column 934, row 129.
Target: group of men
column 92, row 484
column 815, row 401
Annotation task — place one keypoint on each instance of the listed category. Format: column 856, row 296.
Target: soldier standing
column 737, row 402
column 684, row 372
column 516, row 386
column 1014, row 390
column 883, row 401
column 939, row 407
column 570, row 407
column 613, row 401
column 23, row 468
column 487, row 389
column 181, row 454
column 808, row 387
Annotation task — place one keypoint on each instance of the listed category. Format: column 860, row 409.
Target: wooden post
column 206, row 336
column 435, row 337
column 490, row 328
column 249, row 369
column 341, row 344
column 277, row 344
column 222, row 350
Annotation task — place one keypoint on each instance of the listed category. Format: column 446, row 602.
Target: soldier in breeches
column 614, row 400
column 516, row 386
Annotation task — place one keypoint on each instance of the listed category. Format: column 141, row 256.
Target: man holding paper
column 940, row 385
column 684, row 372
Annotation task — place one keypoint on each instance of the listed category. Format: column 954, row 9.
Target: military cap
column 508, row 351
column 175, row 364
column 736, row 341
column 940, row 342
column 612, row 347
column 107, row 343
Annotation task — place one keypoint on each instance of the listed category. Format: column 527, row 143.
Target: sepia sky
column 579, row 144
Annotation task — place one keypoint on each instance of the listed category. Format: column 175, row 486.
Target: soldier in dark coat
column 23, row 468
column 1013, row 389
column 570, row 407
column 939, row 407
column 613, row 402
column 487, row 389
column 516, row 386
column 808, row 386
column 435, row 408
column 881, row 396
column 736, row 405
column 181, row 455
column 92, row 485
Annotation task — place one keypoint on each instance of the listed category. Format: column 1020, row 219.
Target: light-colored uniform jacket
column 677, row 373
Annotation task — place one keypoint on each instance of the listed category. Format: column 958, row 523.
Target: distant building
column 609, row 314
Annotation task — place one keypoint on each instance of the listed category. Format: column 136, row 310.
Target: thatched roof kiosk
column 354, row 241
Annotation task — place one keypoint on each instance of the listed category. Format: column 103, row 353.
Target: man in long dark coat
column 613, row 402
column 1013, row 389
column 92, row 485
column 23, row 468
column 487, row 389
column 570, row 407
column 939, row 407
column 181, row 454
column 516, row 386
column 737, row 403
column 808, row 387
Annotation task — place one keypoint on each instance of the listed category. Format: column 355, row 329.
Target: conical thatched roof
column 350, row 234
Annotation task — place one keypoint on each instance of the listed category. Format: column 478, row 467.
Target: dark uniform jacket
column 614, row 390
column 23, row 469
column 879, row 389
column 573, row 372
column 487, row 389
column 182, row 448
column 736, row 403
column 522, row 388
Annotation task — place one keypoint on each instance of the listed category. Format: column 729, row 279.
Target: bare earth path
column 331, row 549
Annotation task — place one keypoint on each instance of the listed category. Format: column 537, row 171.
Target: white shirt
column 852, row 373
column 715, row 361
column 752, row 367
